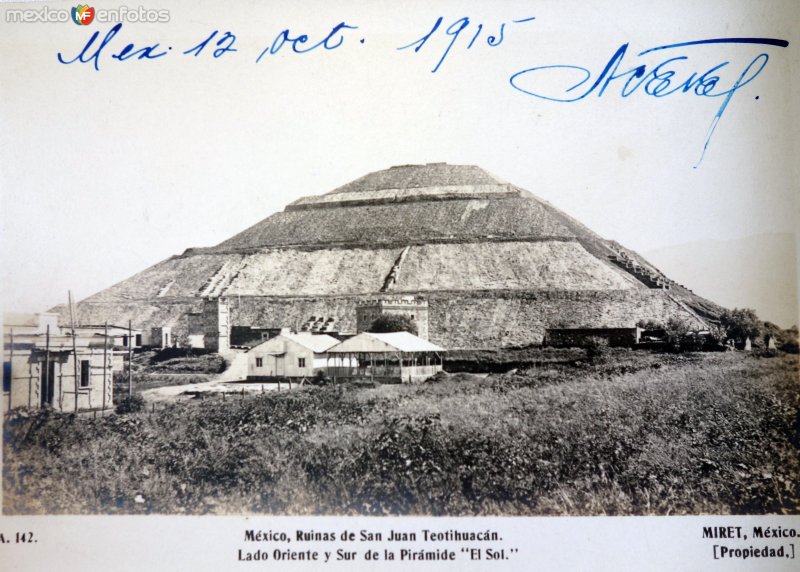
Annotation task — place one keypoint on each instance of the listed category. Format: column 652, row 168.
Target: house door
column 48, row 383
column 280, row 367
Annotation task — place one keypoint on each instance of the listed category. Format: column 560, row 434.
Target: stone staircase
column 394, row 273
column 648, row 276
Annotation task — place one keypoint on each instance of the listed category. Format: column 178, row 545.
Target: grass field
column 625, row 433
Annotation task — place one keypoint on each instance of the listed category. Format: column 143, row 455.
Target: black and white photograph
column 370, row 284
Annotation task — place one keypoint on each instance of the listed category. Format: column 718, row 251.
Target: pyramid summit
column 496, row 265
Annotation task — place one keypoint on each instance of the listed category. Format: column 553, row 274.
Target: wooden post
column 30, row 377
column 130, row 361
column 11, row 371
column 105, row 362
column 74, row 348
column 47, row 360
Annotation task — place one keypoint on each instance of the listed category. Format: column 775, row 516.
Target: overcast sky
column 106, row 173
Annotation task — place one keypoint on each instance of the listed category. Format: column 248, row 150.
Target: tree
column 393, row 323
column 740, row 324
column 677, row 331
column 183, row 341
column 677, row 327
column 650, row 325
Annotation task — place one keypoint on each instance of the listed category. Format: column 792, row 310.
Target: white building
column 121, row 335
column 289, row 355
column 43, row 370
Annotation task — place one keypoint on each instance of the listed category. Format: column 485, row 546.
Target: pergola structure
column 392, row 357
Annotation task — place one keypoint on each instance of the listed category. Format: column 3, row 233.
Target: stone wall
column 216, row 321
column 585, row 337
column 488, row 320
column 482, row 319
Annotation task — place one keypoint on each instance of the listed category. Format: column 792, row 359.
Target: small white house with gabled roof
column 292, row 355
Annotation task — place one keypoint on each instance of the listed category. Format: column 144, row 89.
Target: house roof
column 368, row 342
column 58, row 342
column 318, row 343
column 111, row 327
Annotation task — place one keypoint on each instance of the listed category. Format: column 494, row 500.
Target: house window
column 85, row 372
column 138, row 339
column 125, row 341
column 259, row 362
column 301, row 362
column 6, row 376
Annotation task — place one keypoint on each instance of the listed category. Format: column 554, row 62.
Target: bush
column 130, row 404
column 210, row 363
column 596, row 347
column 320, row 378
column 791, row 348
column 172, row 353
column 649, row 325
column 741, row 324
column 393, row 323
column 691, row 343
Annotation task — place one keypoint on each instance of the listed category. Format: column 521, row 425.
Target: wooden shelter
column 393, row 357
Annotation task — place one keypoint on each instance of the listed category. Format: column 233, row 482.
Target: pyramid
column 497, row 265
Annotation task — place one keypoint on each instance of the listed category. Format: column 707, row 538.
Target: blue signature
column 658, row 81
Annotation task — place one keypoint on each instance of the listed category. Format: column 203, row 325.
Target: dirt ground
column 176, row 393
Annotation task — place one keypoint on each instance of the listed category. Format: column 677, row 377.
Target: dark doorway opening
column 48, row 383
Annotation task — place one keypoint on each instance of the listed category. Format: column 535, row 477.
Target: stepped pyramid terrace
column 495, row 266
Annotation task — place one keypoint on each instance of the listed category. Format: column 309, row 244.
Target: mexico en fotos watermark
column 84, row 15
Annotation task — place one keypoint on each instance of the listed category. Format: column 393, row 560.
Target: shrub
column 393, row 323
column 741, row 324
column 791, row 347
column 691, row 342
column 171, row 353
column 596, row 347
column 212, row 363
column 320, row 378
column 130, row 404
